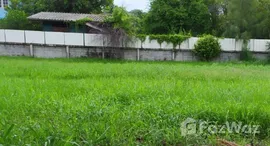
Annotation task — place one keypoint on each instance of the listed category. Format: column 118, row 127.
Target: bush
column 207, row 48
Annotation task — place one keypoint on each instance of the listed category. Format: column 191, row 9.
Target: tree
column 241, row 18
column 218, row 11
column 174, row 16
column 263, row 18
column 16, row 19
column 122, row 20
column 138, row 13
column 139, row 20
column 75, row 6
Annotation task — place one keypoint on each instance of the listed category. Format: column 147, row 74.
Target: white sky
column 133, row 4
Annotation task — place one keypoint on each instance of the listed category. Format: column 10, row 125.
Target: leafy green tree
column 218, row 11
column 123, row 20
column 16, row 19
column 138, row 20
column 241, row 18
column 138, row 13
column 174, row 16
column 262, row 27
column 75, row 6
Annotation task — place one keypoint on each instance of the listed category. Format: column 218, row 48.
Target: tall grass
column 92, row 102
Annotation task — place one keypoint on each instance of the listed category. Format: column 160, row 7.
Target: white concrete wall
column 151, row 44
column 14, row 50
column 192, row 42
column 238, row 45
column 168, row 46
column 74, row 39
column 50, row 52
column 134, row 43
column 94, row 40
column 55, row 38
column 46, row 51
column 227, row 44
column 35, row 37
column 2, row 35
column 185, row 45
column 98, row 40
column 15, row 36
column 260, row 45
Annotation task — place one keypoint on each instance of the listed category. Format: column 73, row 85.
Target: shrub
column 207, row 48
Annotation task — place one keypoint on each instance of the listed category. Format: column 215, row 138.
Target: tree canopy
column 16, row 19
column 223, row 18
column 75, row 6
column 177, row 15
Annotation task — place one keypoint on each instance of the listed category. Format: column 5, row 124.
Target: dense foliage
column 16, row 19
column 207, row 48
column 167, row 17
column 121, row 19
column 242, row 19
column 175, row 39
column 75, row 6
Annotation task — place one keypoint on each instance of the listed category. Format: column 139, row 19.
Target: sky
column 133, row 4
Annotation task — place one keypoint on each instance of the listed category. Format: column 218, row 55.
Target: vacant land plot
column 93, row 102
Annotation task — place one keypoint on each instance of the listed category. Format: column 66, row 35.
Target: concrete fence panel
column 238, row 45
column 109, row 41
column 74, row 39
column 99, row 40
column 192, row 42
column 34, row 37
column 2, row 35
column 15, row 36
column 94, row 40
column 166, row 45
column 227, row 44
column 261, row 45
column 54, row 38
column 251, row 45
column 134, row 43
column 151, row 44
column 185, row 45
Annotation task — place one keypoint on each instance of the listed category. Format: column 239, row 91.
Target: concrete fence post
column 173, row 54
column 254, row 49
column 24, row 36
column 5, row 37
column 31, row 50
column 103, row 45
column 83, row 39
column 103, row 53
column 138, row 54
column 67, row 51
column 45, row 38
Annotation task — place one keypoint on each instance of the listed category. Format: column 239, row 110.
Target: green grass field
column 94, row 102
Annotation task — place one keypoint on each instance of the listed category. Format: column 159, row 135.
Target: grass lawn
column 95, row 102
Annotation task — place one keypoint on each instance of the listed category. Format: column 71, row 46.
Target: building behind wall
column 4, row 3
column 68, row 22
